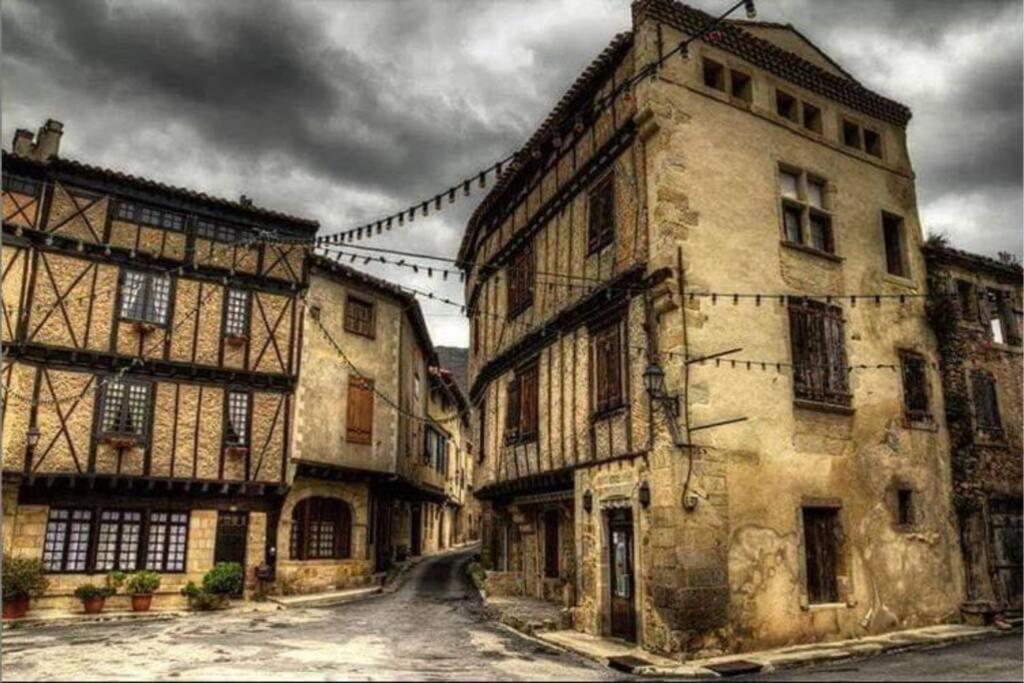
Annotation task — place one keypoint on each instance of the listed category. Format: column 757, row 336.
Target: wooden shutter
column 986, row 405
column 915, row 386
column 551, row 549
column 601, row 219
column 1011, row 330
column 512, row 409
column 819, row 352
column 529, row 396
column 359, row 422
column 520, row 282
column 821, row 554
column 481, row 453
column 607, row 369
column 359, row 317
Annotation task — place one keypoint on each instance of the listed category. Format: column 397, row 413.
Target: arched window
column 321, row 529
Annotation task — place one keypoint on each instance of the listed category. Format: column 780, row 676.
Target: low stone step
column 326, row 599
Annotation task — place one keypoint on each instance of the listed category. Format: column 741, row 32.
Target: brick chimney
column 46, row 144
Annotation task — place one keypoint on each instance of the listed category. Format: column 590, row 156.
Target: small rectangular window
column 359, row 413
column 359, row 317
column 892, row 232
column 149, row 215
column 714, row 75
column 987, row 420
column 905, row 507
column 791, row 218
column 816, row 193
column 168, row 533
column 145, row 296
column 915, row 386
column 821, row 232
column 822, row 548
column 236, row 427
column 789, row 184
column 851, row 135
column 741, row 86
column 601, row 215
column 214, row 230
column 125, row 408
column 786, row 105
column 1002, row 318
column 520, row 282
column 606, row 350
column 236, row 313
column 21, row 185
column 811, row 117
column 872, row 143
column 967, row 300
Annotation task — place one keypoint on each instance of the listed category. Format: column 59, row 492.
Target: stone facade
column 778, row 529
column 975, row 309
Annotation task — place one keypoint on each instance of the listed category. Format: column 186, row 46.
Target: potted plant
column 236, row 340
column 23, row 579
column 141, row 585
column 93, row 597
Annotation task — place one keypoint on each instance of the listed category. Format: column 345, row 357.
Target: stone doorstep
column 326, row 599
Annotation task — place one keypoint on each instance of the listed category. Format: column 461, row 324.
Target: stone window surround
column 844, row 553
column 802, row 200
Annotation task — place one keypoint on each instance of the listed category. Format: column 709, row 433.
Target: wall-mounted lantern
column 654, row 381
column 588, row 502
column 644, row 494
column 32, row 437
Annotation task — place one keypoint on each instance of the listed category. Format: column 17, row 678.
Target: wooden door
column 416, row 540
column 382, row 533
column 620, row 561
column 1008, row 553
column 232, row 533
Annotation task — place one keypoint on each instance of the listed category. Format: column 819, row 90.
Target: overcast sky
column 345, row 111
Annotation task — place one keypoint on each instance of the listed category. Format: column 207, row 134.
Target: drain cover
column 736, row 667
column 627, row 663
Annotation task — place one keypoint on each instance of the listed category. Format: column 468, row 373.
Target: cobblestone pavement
column 431, row 628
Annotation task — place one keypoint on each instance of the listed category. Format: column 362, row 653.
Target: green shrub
column 143, row 582
column 115, row 580
column 90, row 591
column 23, row 578
column 224, row 579
column 201, row 599
column 477, row 574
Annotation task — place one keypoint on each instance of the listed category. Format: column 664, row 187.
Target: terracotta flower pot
column 16, row 608
column 141, row 602
column 93, row 605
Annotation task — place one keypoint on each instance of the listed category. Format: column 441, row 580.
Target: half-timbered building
column 151, row 338
column 723, row 203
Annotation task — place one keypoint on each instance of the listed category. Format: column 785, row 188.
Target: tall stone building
column 976, row 314
column 151, row 344
column 604, row 267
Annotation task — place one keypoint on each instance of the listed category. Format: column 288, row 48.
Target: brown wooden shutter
column 607, row 369
column 359, row 422
column 530, row 396
column 512, row 409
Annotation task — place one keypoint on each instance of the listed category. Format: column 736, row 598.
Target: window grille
column 145, row 296
column 819, row 352
column 117, row 544
column 125, row 407
column 236, row 316
column 168, row 532
column 237, row 428
column 359, row 317
column 66, row 544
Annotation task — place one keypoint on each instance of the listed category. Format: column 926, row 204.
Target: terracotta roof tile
column 72, row 166
column 776, row 60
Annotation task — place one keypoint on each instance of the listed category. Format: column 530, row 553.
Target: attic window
column 714, row 75
column 872, row 143
column 811, row 117
column 741, row 86
column 785, row 106
column 851, row 134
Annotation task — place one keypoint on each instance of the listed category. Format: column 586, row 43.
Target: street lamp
column 644, row 494
column 654, row 381
column 32, row 437
column 588, row 502
column 751, row 10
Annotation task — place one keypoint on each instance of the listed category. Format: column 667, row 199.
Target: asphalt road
column 992, row 659
column 432, row 628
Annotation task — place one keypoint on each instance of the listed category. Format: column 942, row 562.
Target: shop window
column 168, row 535
column 819, row 352
column 117, row 545
column 822, row 548
column 321, row 529
column 67, row 541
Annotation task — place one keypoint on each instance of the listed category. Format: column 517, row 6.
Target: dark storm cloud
column 344, row 111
